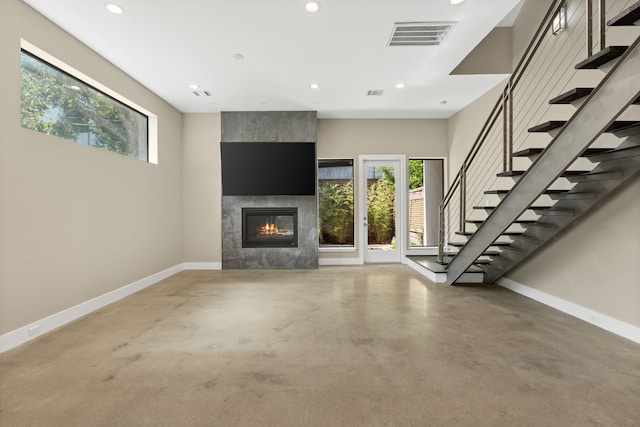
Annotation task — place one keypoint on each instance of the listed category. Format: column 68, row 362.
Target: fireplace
column 269, row 227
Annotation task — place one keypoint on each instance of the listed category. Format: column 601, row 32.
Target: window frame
column 152, row 119
column 339, row 248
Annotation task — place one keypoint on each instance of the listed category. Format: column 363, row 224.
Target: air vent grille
column 202, row 93
column 419, row 33
column 375, row 92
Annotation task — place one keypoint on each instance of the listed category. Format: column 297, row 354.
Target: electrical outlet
column 35, row 330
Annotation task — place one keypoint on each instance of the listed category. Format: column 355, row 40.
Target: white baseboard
column 21, row 335
column 202, row 266
column 600, row 320
column 339, row 261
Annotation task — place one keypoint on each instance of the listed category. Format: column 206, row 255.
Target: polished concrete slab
column 377, row 345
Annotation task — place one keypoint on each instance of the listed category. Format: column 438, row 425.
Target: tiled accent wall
column 269, row 126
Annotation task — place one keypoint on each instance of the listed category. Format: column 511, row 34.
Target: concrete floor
column 340, row 346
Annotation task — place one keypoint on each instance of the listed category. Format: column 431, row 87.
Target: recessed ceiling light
column 114, row 8
column 314, row 85
column 455, row 1
column 194, row 86
column 312, row 7
column 400, row 85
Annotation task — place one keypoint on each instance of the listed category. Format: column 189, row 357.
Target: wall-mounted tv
column 268, row 168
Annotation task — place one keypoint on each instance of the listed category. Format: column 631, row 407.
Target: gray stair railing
column 503, row 110
column 617, row 91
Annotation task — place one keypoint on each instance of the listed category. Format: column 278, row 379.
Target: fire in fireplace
column 269, row 227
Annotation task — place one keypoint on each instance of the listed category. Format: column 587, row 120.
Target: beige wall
column 351, row 138
column 465, row 125
column 202, row 191
column 595, row 264
column 336, row 139
column 413, row 137
column 525, row 25
column 493, row 55
column 75, row 221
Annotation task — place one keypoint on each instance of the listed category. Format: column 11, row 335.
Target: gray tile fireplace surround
column 269, row 126
column 234, row 256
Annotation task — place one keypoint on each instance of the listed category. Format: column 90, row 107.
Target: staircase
column 520, row 224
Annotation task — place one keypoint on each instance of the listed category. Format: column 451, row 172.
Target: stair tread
column 504, row 233
column 547, row 126
column 607, row 54
column 545, row 191
column 632, row 150
column 595, row 176
column 553, row 211
column 557, row 124
column 485, row 253
column 476, row 262
column 629, row 16
column 494, row 207
column 571, row 95
column 576, row 93
column 517, row 221
column 632, row 128
column 574, row 195
column 520, row 173
column 528, row 152
column 461, row 244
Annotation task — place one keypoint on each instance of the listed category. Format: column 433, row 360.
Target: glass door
column 380, row 181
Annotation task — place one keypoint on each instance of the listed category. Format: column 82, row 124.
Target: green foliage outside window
column 416, row 174
column 336, row 213
column 381, row 208
column 55, row 103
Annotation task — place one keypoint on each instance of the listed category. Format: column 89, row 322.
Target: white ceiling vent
column 419, row 33
column 202, row 93
column 375, row 92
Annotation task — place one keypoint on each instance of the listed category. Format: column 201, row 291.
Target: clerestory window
column 55, row 102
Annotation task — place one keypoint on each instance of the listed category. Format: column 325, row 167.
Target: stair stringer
column 619, row 88
column 525, row 248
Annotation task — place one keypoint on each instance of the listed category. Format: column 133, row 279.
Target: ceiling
column 169, row 45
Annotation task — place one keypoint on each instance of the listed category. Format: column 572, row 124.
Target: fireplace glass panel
column 269, row 227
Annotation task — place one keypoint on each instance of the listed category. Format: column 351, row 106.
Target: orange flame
column 269, row 229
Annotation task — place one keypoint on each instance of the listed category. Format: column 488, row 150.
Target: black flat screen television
column 268, row 168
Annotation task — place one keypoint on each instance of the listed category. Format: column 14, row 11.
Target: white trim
column 21, row 335
column 340, row 261
column 331, row 249
column 618, row 327
column 202, row 266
